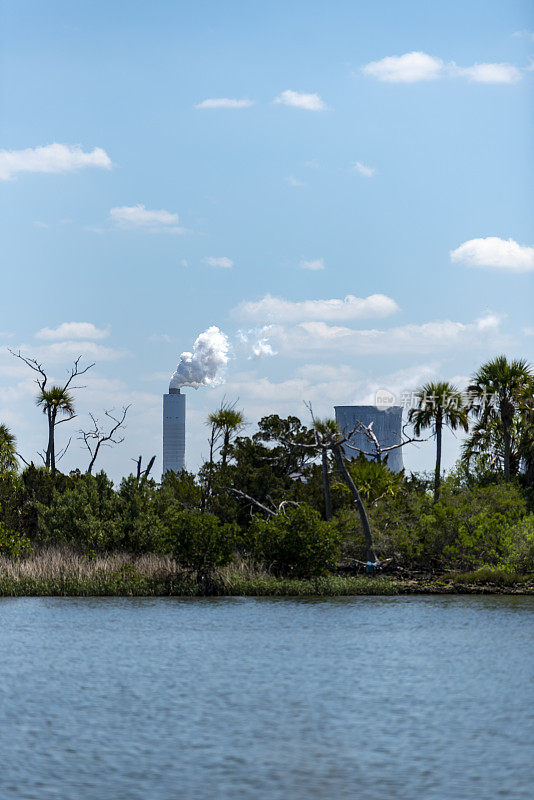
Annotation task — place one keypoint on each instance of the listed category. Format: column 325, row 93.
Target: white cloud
column 51, row 158
column 528, row 331
column 276, row 309
column 138, row 216
column 304, row 338
column 224, row 102
column 262, row 349
column 488, row 73
column 184, row 262
column 524, row 34
column 309, row 102
column 491, row 251
column 73, row 330
column 314, row 265
column 220, row 262
column 418, row 66
column 367, row 172
column 408, row 68
column 59, row 352
column 294, row 181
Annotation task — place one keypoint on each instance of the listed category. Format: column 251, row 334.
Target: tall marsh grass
column 62, row 572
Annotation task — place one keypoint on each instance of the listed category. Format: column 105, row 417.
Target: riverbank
column 62, row 573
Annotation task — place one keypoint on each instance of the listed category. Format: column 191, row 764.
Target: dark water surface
column 156, row 699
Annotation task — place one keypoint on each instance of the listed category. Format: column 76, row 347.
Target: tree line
column 288, row 496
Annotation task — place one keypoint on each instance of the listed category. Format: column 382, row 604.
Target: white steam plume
column 202, row 367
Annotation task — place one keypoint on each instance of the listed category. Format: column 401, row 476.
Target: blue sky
column 377, row 139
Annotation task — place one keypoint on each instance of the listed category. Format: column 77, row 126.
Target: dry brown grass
column 54, row 563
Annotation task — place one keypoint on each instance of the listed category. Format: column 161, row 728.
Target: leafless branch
column 28, row 463
column 63, row 451
column 97, row 437
column 271, row 512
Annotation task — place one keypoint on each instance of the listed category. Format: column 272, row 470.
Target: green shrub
column 13, row 544
column 521, row 545
column 199, row 541
column 141, row 522
column 85, row 515
column 296, row 542
column 470, row 527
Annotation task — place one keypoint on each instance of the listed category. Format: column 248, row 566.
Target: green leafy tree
column 500, row 390
column 8, row 450
column 439, row 405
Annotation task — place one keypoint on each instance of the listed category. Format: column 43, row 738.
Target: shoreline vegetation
column 56, row 572
column 290, row 510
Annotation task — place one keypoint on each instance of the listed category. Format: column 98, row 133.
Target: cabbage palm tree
column 439, row 405
column 8, row 455
column 499, row 391
column 56, row 401
column 227, row 422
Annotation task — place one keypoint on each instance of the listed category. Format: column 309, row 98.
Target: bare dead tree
column 98, row 437
column 377, row 452
column 54, row 400
column 142, row 474
column 329, row 437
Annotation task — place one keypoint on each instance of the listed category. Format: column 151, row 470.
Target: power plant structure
column 173, row 430
column 387, row 427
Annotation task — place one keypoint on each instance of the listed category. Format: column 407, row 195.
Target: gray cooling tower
column 387, row 427
column 173, row 431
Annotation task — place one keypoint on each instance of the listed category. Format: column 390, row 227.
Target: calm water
column 119, row 699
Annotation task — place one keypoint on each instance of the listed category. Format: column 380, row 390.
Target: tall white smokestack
column 202, row 367
column 173, row 431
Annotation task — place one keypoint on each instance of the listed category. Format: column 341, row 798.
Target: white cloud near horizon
column 51, row 158
column 138, row 216
column 277, row 309
column 309, row 102
column 224, row 102
column 364, row 170
column 73, row 330
column 219, row 262
column 313, row 265
column 418, row 66
column 496, row 253
column 67, row 350
column 299, row 340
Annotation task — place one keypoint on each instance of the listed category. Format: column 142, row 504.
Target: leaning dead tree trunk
column 326, row 484
column 347, row 479
column 329, row 437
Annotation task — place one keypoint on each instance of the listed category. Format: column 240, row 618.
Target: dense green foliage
column 284, row 499
column 297, row 543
